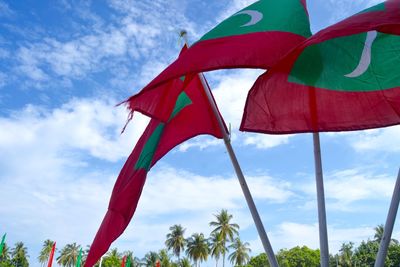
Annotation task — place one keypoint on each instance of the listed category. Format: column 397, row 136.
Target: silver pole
column 323, row 232
column 387, row 232
column 249, row 199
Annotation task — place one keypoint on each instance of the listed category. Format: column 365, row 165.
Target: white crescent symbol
column 365, row 60
column 255, row 15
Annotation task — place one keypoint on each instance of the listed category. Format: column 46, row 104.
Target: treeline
column 223, row 243
column 349, row 255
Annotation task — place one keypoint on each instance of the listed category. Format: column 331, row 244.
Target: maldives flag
column 51, row 256
column 346, row 77
column 191, row 116
column 255, row 37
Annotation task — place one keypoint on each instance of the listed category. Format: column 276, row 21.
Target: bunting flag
column 255, row 37
column 123, row 261
column 51, row 256
column 3, row 240
column 128, row 261
column 191, row 116
column 79, row 260
column 346, row 77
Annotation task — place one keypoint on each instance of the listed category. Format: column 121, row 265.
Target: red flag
column 343, row 78
column 255, row 37
column 158, row 264
column 191, row 116
column 50, row 261
column 123, row 261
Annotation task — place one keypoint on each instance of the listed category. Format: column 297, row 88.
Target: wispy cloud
column 345, row 188
column 5, row 10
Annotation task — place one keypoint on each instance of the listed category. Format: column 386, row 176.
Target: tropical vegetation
column 194, row 250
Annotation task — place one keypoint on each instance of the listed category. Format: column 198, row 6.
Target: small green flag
column 128, row 261
column 2, row 244
column 78, row 261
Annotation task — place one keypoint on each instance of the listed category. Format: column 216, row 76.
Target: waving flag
column 3, row 239
column 191, row 116
column 346, row 77
column 51, row 256
column 79, row 260
column 255, row 37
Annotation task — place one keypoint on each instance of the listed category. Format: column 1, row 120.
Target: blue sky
column 63, row 67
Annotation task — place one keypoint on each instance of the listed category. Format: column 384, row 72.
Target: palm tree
column 224, row 228
column 69, row 255
column 175, row 240
column 197, row 248
column 346, row 255
column 150, row 259
column 379, row 231
column 45, row 252
column 112, row 258
column 185, row 262
column 240, row 255
column 19, row 255
column 5, row 255
column 217, row 246
column 165, row 259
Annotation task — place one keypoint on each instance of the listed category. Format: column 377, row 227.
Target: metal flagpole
column 387, row 232
column 256, row 217
column 323, row 232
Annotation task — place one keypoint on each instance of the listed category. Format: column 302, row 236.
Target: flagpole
column 323, row 232
column 249, row 199
column 387, row 232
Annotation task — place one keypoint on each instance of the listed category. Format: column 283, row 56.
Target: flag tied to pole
column 255, row 37
column 345, row 77
column 192, row 115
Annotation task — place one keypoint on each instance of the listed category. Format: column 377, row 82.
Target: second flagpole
column 249, row 199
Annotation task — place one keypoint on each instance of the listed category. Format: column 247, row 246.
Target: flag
column 123, row 261
column 255, row 37
column 79, row 260
column 50, row 261
column 128, row 261
column 346, row 77
column 2, row 244
column 158, row 264
column 191, row 116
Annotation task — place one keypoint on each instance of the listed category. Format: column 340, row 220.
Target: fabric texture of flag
column 51, row 256
column 345, row 77
column 255, row 37
column 191, row 116
column 3, row 239
column 128, row 262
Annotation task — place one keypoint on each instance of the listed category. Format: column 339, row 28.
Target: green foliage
column 69, row 255
column 240, row 254
column 175, row 240
column 298, row 257
column 260, row 260
column 197, row 248
column 225, row 229
column 19, row 255
column 45, row 252
column 112, row 258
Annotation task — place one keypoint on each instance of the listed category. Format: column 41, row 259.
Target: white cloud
column 344, row 188
column 290, row 234
column 385, row 139
column 89, row 125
